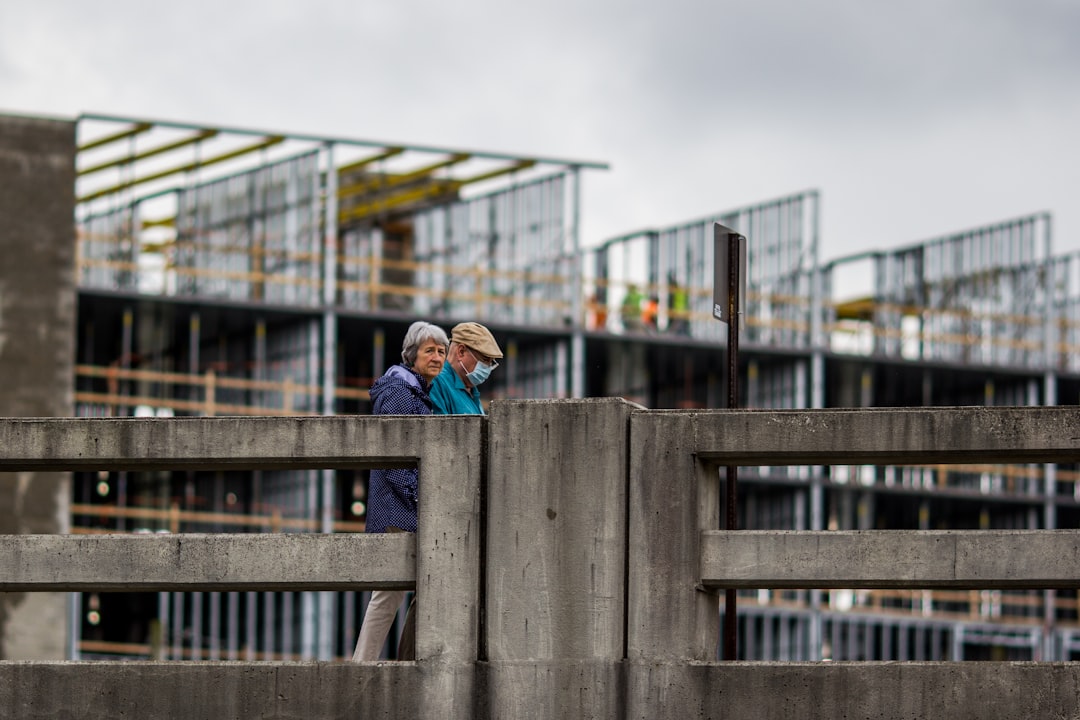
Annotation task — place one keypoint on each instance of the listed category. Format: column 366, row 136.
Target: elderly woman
column 392, row 494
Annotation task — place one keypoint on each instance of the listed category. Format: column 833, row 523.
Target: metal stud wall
column 252, row 236
column 504, row 257
column 978, row 296
column 781, row 260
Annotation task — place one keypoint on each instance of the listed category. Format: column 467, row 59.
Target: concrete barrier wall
column 215, row 690
column 637, row 691
column 442, row 561
column 883, row 691
column 595, row 592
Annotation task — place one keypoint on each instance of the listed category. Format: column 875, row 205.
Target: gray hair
column 418, row 334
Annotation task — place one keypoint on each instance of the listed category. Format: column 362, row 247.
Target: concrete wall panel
column 37, row 275
column 449, row 538
column 637, row 691
column 826, row 691
column 554, row 689
column 673, row 497
column 37, row 347
column 223, row 691
column 556, row 513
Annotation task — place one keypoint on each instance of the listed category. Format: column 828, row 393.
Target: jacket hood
column 393, row 381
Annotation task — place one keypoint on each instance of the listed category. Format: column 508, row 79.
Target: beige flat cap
column 477, row 337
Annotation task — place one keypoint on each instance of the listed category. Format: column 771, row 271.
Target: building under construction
column 229, row 271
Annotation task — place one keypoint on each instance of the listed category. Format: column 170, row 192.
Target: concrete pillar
column 37, row 350
column 556, row 556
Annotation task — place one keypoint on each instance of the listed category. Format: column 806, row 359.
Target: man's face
column 429, row 359
column 466, row 359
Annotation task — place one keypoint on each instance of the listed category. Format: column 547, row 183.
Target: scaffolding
column 979, row 296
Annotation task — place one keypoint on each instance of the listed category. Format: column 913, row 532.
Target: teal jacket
column 450, row 397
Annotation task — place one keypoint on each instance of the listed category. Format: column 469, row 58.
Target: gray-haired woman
column 392, row 494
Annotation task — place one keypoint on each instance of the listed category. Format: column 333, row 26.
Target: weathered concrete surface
column 826, row 691
column 574, row 689
column 556, row 529
column 37, row 347
column 590, row 504
column 674, row 486
column 556, row 555
column 215, row 690
column 879, row 436
column 442, row 558
column 37, row 275
column 449, row 538
column 645, row 691
column 193, row 443
column 198, row 562
column 977, row 559
column 673, row 497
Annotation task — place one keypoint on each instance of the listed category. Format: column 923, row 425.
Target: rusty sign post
column 729, row 292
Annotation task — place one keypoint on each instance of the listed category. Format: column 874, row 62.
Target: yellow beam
column 397, row 200
column 157, row 247
column 160, row 222
column 388, row 153
column 416, row 195
column 201, row 135
column 860, row 309
column 265, row 143
column 519, row 165
column 133, row 130
column 389, row 181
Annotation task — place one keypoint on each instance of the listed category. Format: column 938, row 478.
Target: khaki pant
column 379, row 617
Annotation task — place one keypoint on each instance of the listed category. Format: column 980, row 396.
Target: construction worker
column 631, row 309
column 649, row 313
column 678, row 308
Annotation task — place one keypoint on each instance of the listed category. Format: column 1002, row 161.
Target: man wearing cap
column 472, row 356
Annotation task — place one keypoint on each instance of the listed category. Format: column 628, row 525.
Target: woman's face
column 429, row 359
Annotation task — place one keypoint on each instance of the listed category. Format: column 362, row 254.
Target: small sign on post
column 723, row 238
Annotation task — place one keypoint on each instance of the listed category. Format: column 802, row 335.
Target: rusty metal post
column 731, row 520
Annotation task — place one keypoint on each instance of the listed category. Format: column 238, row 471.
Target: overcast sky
column 913, row 119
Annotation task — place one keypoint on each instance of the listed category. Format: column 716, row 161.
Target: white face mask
column 481, row 372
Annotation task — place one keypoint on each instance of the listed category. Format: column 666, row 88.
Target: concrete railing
column 917, row 559
column 565, row 563
column 442, row 563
